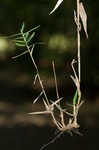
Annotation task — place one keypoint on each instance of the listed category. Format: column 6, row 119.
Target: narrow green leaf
column 12, row 36
column 19, row 38
column 26, row 35
column 31, row 30
column 20, row 44
column 75, row 98
column 22, row 28
column 34, row 28
column 20, row 54
column 30, row 38
column 20, row 41
column 20, row 34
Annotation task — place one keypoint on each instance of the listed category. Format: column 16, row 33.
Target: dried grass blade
column 56, row 6
column 39, row 112
column 37, row 97
column 57, row 93
column 83, row 17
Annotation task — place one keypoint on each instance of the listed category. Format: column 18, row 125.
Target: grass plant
column 23, row 39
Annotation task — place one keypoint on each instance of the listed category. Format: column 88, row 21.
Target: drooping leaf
column 56, row 6
column 83, row 17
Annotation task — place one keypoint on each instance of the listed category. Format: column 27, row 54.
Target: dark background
column 19, row 131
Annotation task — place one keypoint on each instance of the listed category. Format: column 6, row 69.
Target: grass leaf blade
column 56, row 6
column 22, row 28
column 75, row 98
column 30, row 38
column 20, row 55
column 20, row 44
